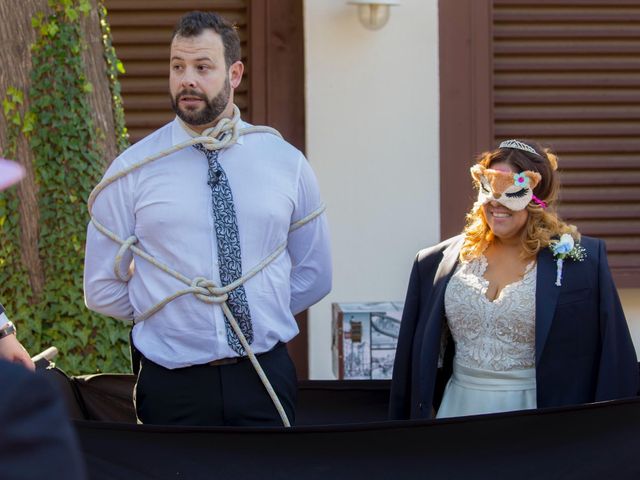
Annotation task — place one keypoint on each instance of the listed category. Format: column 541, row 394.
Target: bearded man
column 213, row 214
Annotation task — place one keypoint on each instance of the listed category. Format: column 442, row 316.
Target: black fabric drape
column 351, row 440
column 594, row 442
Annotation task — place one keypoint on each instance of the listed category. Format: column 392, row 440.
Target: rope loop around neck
column 222, row 135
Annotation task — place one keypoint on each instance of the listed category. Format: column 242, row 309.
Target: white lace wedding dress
column 494, row 364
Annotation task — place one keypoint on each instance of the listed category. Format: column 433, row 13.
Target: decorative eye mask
column 513, row 190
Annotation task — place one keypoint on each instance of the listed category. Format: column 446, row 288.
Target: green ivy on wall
column 114, row 67
column 64, row 140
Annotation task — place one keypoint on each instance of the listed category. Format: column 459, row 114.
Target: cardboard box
column 364, row 339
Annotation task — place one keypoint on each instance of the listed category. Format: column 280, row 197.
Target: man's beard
column 212, row 108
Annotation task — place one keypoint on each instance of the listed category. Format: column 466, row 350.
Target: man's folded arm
column 309, row 247
column 104, row 292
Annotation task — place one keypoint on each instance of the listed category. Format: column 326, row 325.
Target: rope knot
column 207, row 291
column 224, row 133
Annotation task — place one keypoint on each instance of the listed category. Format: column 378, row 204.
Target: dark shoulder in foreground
column 35, row 433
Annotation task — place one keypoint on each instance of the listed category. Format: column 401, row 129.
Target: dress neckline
column 484, row 263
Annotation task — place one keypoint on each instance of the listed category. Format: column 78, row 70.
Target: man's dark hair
column 193, row 24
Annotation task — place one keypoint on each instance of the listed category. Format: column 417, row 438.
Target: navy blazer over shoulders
column 584, row 351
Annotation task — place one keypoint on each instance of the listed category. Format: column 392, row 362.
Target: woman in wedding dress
column 519, row 311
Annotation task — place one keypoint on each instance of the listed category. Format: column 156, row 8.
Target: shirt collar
column 179, row 134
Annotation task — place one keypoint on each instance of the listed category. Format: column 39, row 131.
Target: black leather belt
column 233, row 360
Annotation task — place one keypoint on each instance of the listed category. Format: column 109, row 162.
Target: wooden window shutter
column 567, row 73
column 141, row 32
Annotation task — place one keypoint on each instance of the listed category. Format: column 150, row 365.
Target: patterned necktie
column 229, row 254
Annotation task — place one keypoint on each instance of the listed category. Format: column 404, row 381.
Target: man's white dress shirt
column 167, row 205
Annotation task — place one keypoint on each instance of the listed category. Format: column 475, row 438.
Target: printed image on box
column 357, row 346
column 382, row 364
column 364, row 339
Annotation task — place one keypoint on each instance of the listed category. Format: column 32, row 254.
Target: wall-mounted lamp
column 374, row 14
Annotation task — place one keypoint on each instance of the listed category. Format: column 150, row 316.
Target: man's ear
column 235, row 74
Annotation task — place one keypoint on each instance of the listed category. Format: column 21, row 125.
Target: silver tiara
column 519, row 145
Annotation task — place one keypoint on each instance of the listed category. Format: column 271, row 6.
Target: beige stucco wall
column 372, row 139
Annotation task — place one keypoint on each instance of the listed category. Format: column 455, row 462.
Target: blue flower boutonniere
column 566, row 248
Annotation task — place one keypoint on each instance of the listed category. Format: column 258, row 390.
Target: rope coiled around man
column 224, row 134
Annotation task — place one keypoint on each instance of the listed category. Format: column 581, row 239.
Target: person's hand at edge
column 13, row 351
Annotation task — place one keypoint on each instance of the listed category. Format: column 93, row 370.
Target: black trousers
column 216, row 395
